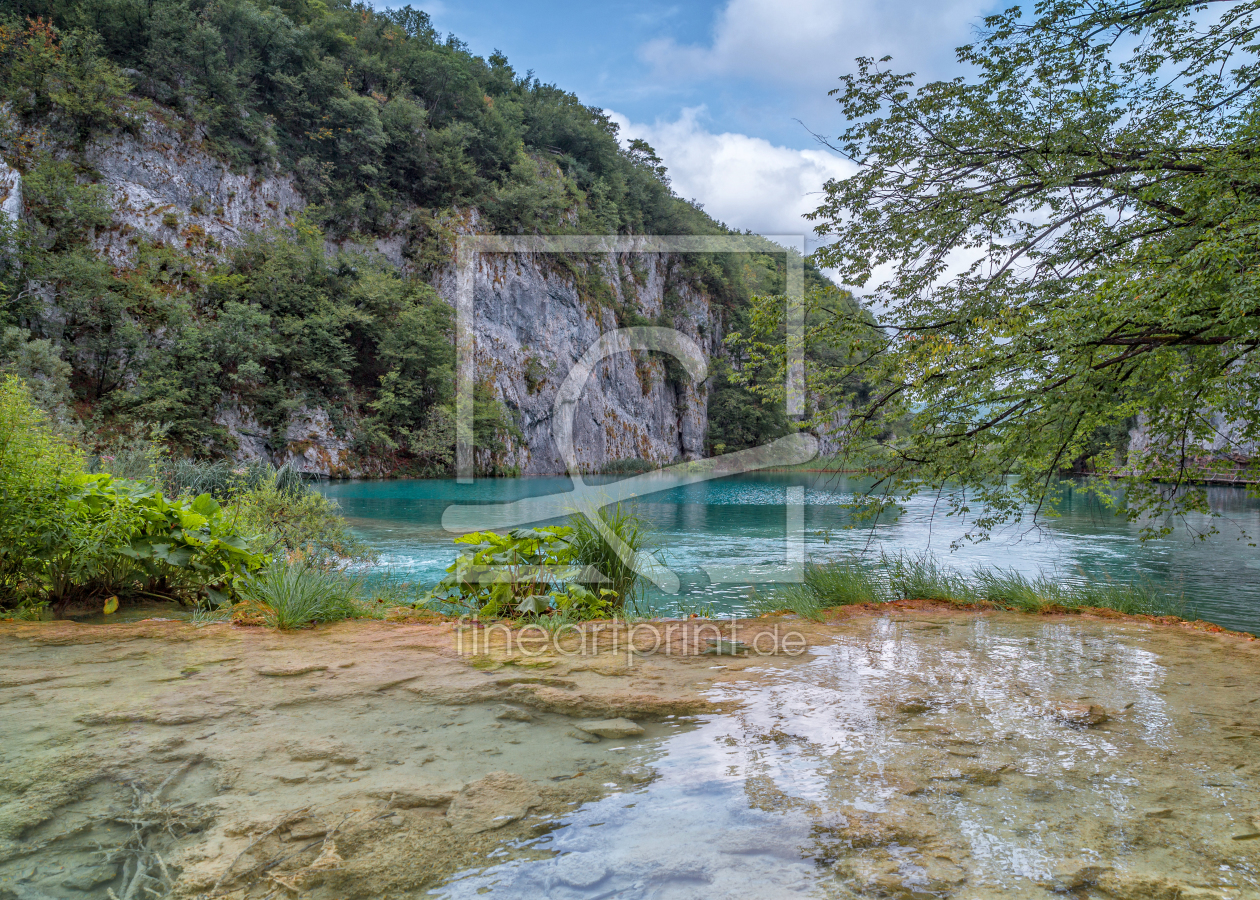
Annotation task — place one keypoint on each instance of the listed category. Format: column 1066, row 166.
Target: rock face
column 533, row 316
column 1229, row 443
column 10, row 192
column 169, row 187
column 532, row 323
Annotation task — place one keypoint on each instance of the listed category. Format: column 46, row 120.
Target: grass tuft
column 590, row 549
column 920, row 577
column 297, row 595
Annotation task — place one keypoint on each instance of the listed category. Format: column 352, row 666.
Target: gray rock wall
column 532, row 324
column 174, row 190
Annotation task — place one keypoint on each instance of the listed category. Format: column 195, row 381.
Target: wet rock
column 914, row 706
column 288, row 671
column 166, row 745
column 1080, row 714
column 413, row 797
column 90, row 877
column 723, row 647
column 1072, row 875
column 149, row 716
column 513, row 714
column 982, row 777
column 316, row 751
column 1122, row 886
column 639, row 774
column 579, row 870
column 612, row 728
column 306, row 829
column 492, row 802
column 750, row 841
column 585, row 737
column 547, row 680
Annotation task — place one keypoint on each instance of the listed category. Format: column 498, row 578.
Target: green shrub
column 182, row 546
column 528, row 571
column 631, row 466
column 38, row 471
column 291, row 520
column 67, row 535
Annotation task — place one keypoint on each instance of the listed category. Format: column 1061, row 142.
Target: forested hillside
column 393, row 136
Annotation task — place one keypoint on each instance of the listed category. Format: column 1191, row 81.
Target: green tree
column 1065, row 239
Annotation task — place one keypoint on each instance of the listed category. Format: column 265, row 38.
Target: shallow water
column 933, row 758
column 910, row 754
column 742, row 520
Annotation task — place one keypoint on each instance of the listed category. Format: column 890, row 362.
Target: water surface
column 742, row 520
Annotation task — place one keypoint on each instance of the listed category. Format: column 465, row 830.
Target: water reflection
column 741, row 520
column 937, row 755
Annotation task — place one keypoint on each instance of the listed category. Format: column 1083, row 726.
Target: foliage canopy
column 1062, row 244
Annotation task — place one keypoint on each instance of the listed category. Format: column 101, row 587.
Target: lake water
column 743, row 520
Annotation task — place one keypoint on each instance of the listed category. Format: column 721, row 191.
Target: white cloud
column 809, row 43
column 746, row 182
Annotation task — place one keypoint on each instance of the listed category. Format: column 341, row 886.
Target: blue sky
column 728, row 91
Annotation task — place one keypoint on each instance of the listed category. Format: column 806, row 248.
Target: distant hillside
column 231, row 224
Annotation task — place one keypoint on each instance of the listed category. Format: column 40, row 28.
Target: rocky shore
column 905, row 752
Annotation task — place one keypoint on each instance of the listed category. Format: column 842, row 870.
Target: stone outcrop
column 172, row 189
column 532, row 323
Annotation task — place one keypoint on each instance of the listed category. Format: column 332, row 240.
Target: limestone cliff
column 532, row 318
column 532, row 325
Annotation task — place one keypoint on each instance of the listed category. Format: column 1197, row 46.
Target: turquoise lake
column 742, row 520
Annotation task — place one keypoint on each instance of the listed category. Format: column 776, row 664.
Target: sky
column 730, row 93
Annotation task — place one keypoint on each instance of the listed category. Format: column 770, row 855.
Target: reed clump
column 920, row 577
column 297, row 595
column 592, row 551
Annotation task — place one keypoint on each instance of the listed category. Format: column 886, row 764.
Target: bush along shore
column 80, row 535
column 253, row 544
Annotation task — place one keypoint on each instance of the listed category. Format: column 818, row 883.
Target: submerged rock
column 317, row 751
column 1080, row 714
column 914, row 706
column 90, row 877
column 1074, row 875
column 612, row 728
column 492, row 802
column 639, row 774
column 513, row 714
column 413, row 797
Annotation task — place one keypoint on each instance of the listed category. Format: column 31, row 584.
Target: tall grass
column 295, row 596
column 179, row 476
column 590, row 548
column 921, row 577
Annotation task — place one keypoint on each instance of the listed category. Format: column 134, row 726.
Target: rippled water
column 742, row 520
column 941, row 757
